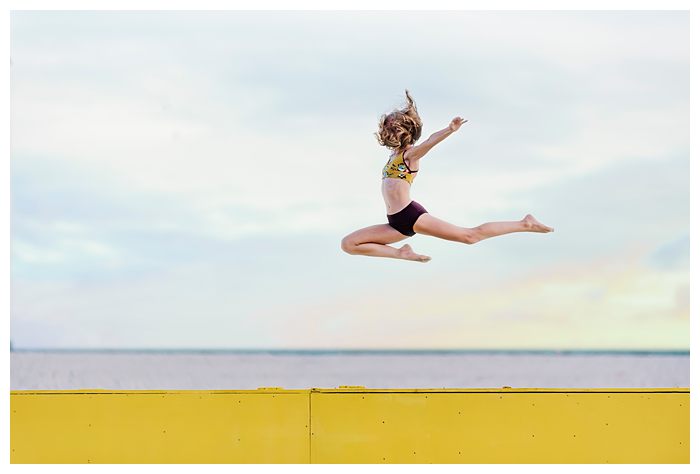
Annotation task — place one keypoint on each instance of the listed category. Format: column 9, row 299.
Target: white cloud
column 612, row 302
column 138, row 139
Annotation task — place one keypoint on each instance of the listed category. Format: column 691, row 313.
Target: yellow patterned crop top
column 398, row 168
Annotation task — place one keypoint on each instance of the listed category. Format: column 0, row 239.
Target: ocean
column 293, row 369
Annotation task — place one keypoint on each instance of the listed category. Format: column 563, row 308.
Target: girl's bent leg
column 372, row 241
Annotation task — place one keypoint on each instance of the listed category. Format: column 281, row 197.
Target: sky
column 184, row 179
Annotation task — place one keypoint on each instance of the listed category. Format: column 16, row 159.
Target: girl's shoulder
column 394, row 154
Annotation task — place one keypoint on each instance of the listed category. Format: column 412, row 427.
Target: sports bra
column 398, row 168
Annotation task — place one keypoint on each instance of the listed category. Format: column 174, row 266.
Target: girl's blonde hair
column 400, row 128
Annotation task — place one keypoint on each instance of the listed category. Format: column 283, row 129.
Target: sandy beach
column 221, row 371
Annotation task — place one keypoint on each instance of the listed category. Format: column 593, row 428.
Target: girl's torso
column 397, row 176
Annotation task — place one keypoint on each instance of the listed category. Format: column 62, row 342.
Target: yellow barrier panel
column 500, row 426
column 254, row 426
column 352, row 425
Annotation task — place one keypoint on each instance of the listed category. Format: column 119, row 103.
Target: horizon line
column 358, row 350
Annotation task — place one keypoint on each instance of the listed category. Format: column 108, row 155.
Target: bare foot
column 533, row 225
column 407, row 253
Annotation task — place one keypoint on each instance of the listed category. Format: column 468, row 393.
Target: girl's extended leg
column 373, row 240
column 431, row 225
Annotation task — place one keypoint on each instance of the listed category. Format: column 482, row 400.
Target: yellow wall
column 160, row 427
column 352, row 425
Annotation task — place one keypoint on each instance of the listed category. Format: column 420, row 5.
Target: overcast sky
column 184, row 179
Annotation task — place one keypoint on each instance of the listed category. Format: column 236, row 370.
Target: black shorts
column 404, row 219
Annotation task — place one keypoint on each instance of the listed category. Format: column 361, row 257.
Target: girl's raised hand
column 456, row 123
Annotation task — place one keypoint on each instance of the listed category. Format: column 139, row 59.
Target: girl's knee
column 348, row 245
column 470, row 236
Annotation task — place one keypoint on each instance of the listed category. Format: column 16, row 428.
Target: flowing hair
column 400, row 128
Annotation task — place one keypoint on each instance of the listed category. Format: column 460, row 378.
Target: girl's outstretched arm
column 419, row 151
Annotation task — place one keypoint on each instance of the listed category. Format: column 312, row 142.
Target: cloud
column 612, row 302
column 196, row 171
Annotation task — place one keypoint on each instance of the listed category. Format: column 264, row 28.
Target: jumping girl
column 399, row 131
